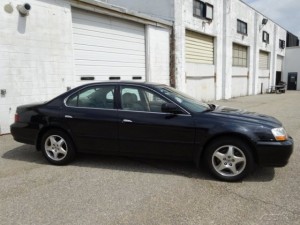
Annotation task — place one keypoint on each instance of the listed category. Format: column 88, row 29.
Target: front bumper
column 275, row 154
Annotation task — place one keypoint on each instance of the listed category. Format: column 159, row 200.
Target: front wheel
column 229, row 159
column 57, row 147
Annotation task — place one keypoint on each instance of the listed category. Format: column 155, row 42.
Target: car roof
column 149, row 84
column 118, row 82
column 74, row 90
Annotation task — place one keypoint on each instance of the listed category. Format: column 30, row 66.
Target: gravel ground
column 116, row 190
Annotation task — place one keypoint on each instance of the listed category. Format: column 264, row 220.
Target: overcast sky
column 284, row 12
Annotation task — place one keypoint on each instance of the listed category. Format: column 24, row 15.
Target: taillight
column 17, row 117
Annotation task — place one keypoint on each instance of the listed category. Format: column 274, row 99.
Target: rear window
column 93, row 97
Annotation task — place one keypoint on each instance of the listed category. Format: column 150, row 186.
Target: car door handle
column 126, row 121
column 68, row 116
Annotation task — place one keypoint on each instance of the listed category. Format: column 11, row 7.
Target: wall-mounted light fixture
column 264, row 21
column 24, row 9
column 3, row 92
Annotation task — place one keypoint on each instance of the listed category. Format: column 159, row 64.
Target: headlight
column 280, row 134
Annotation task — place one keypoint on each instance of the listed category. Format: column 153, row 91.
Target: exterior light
column 264, row 21
column 24, row 9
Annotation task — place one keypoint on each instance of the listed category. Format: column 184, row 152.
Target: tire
column 229, row 159
column 57, row 147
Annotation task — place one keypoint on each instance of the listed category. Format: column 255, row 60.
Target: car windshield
column 184, row 100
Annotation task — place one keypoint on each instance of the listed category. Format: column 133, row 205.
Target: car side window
column 93, row 97
column 140, row 99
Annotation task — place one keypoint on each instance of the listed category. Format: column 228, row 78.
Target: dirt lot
column 114, row 190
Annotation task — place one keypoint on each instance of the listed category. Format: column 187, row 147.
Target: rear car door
column 146, row 130
column 91, row 116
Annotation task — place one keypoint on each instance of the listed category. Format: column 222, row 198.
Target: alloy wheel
column 56, row 147
column 229, row 161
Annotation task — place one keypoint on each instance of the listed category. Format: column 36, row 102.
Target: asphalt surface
column 115, row 190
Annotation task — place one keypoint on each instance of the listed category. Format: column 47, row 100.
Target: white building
column 243, row 46
column 291, row 69
column 61, row 44
column 211, row 49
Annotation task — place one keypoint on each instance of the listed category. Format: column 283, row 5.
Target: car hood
column 240, row 114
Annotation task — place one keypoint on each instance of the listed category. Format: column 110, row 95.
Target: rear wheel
column 57, row 147
column 229, row 159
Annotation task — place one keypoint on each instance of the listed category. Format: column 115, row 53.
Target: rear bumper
column 275, row 154
column 21, row 132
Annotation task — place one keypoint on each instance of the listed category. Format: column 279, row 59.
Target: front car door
column 145, row 130
column 91, row 116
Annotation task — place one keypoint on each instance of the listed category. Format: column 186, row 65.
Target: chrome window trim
column 66, row 98
column 125, row 110
column 121, row 84
column 164, row 97
column 161, row 113
column 90, row 108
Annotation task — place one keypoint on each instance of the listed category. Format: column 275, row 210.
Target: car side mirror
column 170, row 108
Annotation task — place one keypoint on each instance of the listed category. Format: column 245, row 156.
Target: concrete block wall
column 239, row 78
column 201, row 80
column 36, row 51
column 281, row 34
column 156, row 8
column 35, row 54
column 158, row 54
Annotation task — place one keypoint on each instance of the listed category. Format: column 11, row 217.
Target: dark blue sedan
column 152, row 120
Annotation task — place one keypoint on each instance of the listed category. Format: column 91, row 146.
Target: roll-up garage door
column 107, row 48
column 263, row 60
column 199, row 48
column 279, row 63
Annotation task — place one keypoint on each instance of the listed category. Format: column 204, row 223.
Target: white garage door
column 107, row 48
column 263, row 60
